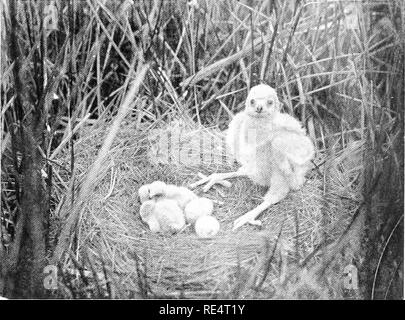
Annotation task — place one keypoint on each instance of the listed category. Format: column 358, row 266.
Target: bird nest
column 252, row 262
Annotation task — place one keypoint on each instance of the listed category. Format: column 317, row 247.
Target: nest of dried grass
column 246, row 263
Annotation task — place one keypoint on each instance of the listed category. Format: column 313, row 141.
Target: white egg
column 206, row 226
column 197, row 208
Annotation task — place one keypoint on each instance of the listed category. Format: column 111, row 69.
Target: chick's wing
column 297, row 148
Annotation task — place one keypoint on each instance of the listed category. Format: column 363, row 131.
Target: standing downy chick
column 271, row 147
column 162, row 215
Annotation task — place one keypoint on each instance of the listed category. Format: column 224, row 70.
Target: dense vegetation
column 337, row 66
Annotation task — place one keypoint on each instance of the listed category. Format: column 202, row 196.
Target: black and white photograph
column 182, row 151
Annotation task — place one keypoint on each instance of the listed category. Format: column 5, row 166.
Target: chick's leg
column 297, row 179
column 285, row 166
column 278, row 190
column 217, row 178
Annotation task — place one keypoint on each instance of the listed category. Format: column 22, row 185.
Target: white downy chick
column 162, row 215
column 197, row 208
column 143, row 193
column 181, row 195
column 169, row 215
column 150, row 191
column 271, row 147
column 157, row 189
column 206, row 226
column 148, row 216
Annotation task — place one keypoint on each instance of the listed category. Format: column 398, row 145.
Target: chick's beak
column 156, row 193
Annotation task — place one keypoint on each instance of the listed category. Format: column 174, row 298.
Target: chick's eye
column 252, row 101
column 270, row 102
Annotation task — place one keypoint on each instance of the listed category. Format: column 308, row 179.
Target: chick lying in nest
column 167, row 208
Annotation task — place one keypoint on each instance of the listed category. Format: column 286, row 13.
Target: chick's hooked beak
column 258, row 105
column 157, row 188
column 262, row 99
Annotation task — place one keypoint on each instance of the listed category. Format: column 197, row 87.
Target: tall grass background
column 338, row 66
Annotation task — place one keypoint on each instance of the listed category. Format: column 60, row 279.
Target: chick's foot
column 249, row 218
column 210, row 181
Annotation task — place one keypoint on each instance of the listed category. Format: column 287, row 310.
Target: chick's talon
column 246, row 218
column 210, row 181
column 204, row 179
